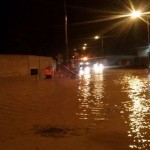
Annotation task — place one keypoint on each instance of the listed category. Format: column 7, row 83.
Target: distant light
column 136, row 14
column 81, row 72
column 84, row 58
column 84, row 47
column 96, row 37
column 98, row 68
column 87, row 70
column 84, row 71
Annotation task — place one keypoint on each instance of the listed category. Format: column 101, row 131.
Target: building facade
column 24, row 65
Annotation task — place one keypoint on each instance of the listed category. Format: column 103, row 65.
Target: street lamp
column 137, row 14
column 84, row 47
column 148, row 41
column 102, row 43
column 147, row 19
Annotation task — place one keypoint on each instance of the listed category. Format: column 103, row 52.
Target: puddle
column 60, row 131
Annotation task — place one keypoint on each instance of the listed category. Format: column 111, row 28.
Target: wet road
column 106, row 111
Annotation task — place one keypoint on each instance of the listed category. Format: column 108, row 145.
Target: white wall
column 21, row 65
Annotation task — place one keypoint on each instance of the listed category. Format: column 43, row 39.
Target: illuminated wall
column 24, row 65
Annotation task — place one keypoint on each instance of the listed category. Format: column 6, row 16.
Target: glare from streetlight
column 136, row 14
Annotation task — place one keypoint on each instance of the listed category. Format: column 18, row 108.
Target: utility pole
column 66, row 34
column 148, row 30
column 102, row 38
column 148, row 41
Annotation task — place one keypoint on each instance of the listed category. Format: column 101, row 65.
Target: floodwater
column 106, row 111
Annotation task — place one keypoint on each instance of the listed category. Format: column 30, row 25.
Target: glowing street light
column 96, row 37
column 138, row 14
column 84, row 47
column 100, row 37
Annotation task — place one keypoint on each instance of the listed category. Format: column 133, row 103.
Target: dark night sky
column 38, row 26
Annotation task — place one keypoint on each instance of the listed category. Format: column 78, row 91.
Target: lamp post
column 66, row 34
column 137, row 14
column 148, row 41
column 147, row 17
column 102, row 43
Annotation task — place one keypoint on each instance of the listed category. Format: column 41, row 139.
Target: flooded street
column 106, row 111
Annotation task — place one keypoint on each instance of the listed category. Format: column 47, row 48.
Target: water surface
column 108, row 111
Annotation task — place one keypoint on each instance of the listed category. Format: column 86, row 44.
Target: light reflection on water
column 84, row 94
column 138, row 109
column 90, row 93
column 134, row 106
